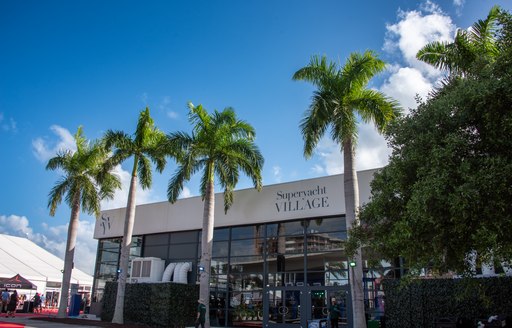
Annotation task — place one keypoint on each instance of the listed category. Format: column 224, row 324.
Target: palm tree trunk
column 125, row 249
column 69, row 256
column 206, row 248
column 352, row 219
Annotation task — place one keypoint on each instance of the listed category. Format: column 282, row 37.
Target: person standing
column 201, row 313
column 334, row 313
column 5, row 300
column 37, row 303
column 13, row 304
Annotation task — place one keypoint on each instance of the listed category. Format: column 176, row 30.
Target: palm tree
column 221, row 146
column 86, row 181
column 341, row 95
column 475, row 45
column 144, row 147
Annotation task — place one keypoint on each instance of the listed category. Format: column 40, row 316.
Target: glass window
column 220, row 234
column 183, row 251
column 184, row 237
column 247, row 232
column 110, row 243
column 285, row 263
column 285, row 228
column 220, row 248
column 325, row 224
column 247, row 264
column 246, row 282
column 109, row 255
column 159, row 239
column 246, row 247
column 285, row 245
column 326, row 241
column 219, row 266
column 156, row 251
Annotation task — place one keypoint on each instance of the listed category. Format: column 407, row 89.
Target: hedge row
column 417, row 303
column 154, row 304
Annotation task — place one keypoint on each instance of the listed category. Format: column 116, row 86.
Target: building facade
column 278, row 255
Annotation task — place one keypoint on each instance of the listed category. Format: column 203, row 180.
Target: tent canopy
column 17, row 282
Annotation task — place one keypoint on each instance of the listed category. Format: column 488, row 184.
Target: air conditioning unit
column 146, row 269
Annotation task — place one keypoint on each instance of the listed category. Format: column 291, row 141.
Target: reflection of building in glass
column 273, row 253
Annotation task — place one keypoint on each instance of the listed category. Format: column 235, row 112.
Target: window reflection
column 254, row 231
column 325, row 224
column 246, row 247
column 220, row 234
column 247, row 264
column 285, row 228
column 220, row 248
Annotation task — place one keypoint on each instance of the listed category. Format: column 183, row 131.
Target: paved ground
column 49, row 321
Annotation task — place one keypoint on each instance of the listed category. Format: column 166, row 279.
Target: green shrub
column 418, row 303
column 154, row 304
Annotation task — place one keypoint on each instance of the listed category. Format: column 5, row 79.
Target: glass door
column 320, row 301
column 285, row 307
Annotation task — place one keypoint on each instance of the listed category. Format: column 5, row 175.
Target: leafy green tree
column 477, row 44
column 446, row 191
column 221, row 146
column 86, row 181
column 340, row 99
column 145, row 146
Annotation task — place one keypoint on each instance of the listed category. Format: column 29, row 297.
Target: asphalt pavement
column 30, row 321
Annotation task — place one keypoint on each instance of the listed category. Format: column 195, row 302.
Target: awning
column 17, row 282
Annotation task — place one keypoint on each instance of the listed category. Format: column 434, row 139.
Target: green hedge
column 418, row 303
column 156, row 305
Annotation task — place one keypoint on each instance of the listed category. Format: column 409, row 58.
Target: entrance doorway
column 294, row 307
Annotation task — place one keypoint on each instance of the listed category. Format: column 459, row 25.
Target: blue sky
column 99, row 63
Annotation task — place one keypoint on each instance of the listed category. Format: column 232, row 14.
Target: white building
column 278, row 254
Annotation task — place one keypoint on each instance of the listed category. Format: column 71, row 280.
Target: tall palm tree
column 220, row 146
column 340, row 98
column 477, row 44
column 87, row 180
column 144, row 147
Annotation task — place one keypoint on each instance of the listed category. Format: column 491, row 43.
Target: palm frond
column 57, row 193
column 144, row 171
column 316, row 120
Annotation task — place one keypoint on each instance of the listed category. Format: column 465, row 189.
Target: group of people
column 10, row 303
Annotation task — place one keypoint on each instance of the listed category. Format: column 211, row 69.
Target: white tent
column 22, row 256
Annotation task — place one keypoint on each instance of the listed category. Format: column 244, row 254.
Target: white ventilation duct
column 177, row 271
column 180, row 275
column 168, row 272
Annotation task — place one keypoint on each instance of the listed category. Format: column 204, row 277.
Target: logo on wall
column 105, row 223
column 290, row 201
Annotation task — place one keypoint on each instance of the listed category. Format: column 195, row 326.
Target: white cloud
column 414, row 30
column 44, row 150
column 172, row 115
column 317, row 169
column 371, row 152
column 143, row 196
column 165, row 106
column 7, row 125
column 186, row 193
column 405, row 84
column 406, row 37
column 330, row 157
column 459, row 5
column 277, row 173
column 144, row 98
column 53, row 239
column 15, row 223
